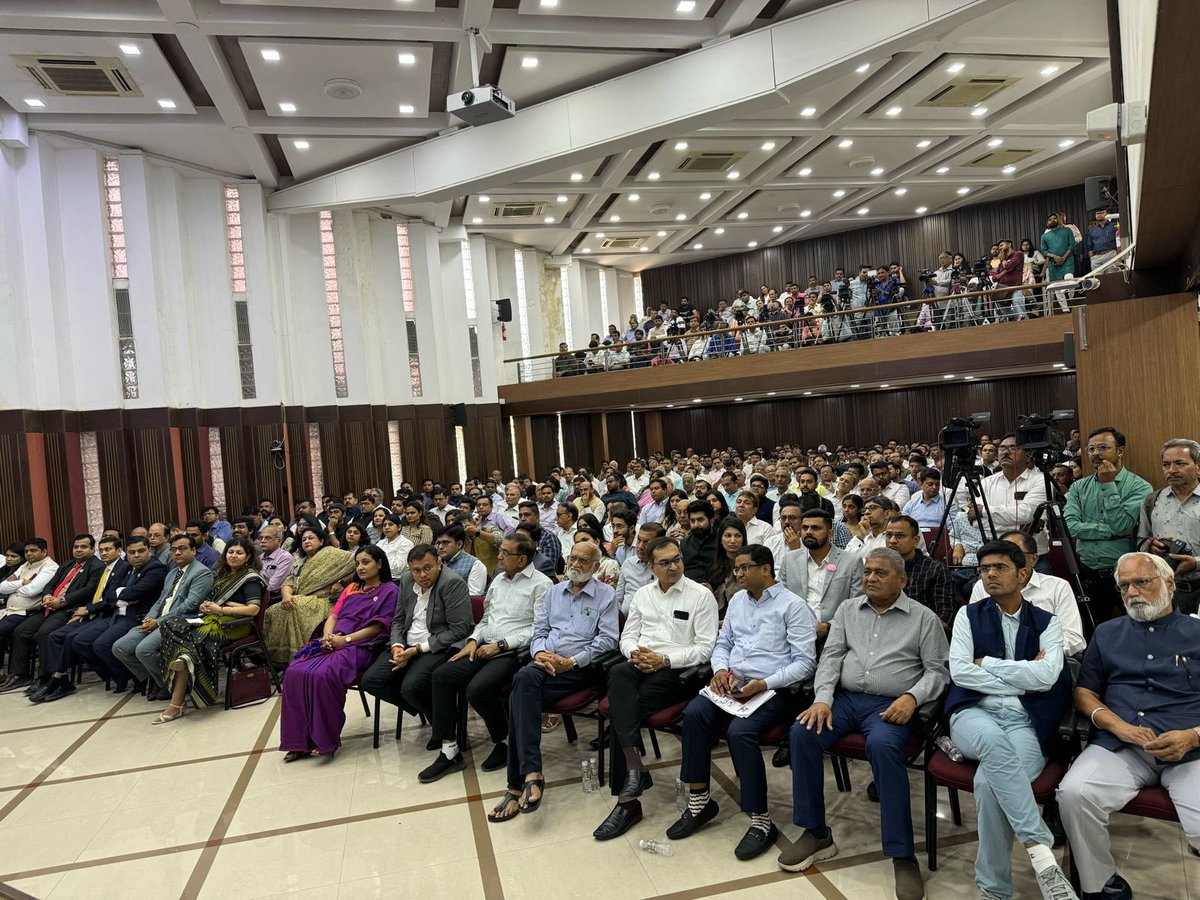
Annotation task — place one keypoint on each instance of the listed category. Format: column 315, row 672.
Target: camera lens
column 467, row 98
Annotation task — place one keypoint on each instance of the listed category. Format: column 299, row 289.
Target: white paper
column 737, row 707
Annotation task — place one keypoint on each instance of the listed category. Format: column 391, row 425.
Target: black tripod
column 1056, row 527
column 964, row 471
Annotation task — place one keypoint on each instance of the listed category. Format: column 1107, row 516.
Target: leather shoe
column 15, row 683
column 756, row 842
column 42, row 691
column 497, row 759
column 623, row 817
column 635, row 783
column 441, row 766
column 782, row 758
column 872, row 793
column 59, row 689
column 689, row 824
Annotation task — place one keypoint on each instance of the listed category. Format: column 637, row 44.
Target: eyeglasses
column 669, row 563
column 582, row 561
column 985, row 568
column 1142, row 584
column 1007, row 448
column 1099, row 448
column 898, row 535
column 742, row 570
column 503, row 553
column 180, row 549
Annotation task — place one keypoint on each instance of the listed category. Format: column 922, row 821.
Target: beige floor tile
column 303, row 860
column 448, row 882
column 264, row 808
column 72, row 799
column 147, row 879
column 396, row 844
column 613, row 871
column 25, row 754
column 142, row 828
column 120, row 744
column 41, row 886
column 789, row 887
column 325, row 892
column 204, row 781
column 37, row 845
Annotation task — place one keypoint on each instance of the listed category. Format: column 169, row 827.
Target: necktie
column 64, row 584
column 171, row 599
column 100, row 587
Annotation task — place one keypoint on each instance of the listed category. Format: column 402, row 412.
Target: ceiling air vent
column 998, row 159
column 709, row 160
column 79, row 76
column 963, row 93
column 518, row 210
column 623, row 243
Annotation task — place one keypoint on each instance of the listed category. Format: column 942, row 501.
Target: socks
column 761, row 821
column 697, row 800
column 633, row 760
column 1041, row 857
column 450, row 750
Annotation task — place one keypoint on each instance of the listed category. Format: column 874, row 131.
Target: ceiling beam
column 735, row 16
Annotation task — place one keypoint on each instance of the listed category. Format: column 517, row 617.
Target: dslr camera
column 1171, row 545
column 925, row 275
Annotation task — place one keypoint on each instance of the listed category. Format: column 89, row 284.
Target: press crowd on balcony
column 954, row 293
column 789, row 595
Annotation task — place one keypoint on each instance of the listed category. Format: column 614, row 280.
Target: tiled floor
column 96, row 803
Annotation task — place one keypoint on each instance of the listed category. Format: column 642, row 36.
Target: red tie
column 64, row 584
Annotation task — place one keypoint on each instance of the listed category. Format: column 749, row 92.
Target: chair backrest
column 941, row 549
column 477, row 607
column 1058, row 560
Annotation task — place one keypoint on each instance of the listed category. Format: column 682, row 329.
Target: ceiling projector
column 481, row 105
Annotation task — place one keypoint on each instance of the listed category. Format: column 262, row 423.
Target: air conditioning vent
column 79, row 76
column 709, row 161
column 518, row 210
column 963, row 93
column 998, row 159
column 623, row 243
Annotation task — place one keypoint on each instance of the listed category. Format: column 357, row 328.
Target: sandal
column 162, row 718
column 549, row 723
column 293, row 755
column 528, row 804
column 498, row 814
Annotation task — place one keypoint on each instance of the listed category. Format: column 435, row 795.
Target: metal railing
column 956, row 310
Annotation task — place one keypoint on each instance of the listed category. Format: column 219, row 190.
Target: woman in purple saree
column 314, row 691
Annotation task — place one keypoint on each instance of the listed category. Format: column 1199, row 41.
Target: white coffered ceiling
column 286, row 91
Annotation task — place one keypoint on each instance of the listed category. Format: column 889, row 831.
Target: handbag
column 247, row 686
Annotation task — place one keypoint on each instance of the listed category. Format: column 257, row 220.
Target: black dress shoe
column 635, row 783
column 497, row 759
column 689, row 824
column 441, row 766
column 755, row 842
column 623, row 817
column 157, row 694
column 36, row 685
column 119, row 687
column 41, row 691
column 63, row 687
column 872, row 793
column 782, row 758
column 15, row 683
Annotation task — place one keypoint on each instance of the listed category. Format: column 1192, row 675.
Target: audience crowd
column 791, row 596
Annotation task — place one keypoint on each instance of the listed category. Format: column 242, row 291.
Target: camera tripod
column 1056, row 527
column 965, row 472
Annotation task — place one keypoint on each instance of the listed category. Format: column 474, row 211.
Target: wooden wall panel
column 486, row 440
column 150, row 458
column 119, row 491
column 545, row 445
column 194, row 461
column 620, row 437
column 577, row 440
column 915, row 243
column 16, row 512
column 298, row 463
column 58, row 488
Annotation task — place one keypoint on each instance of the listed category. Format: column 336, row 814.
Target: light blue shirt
column 928, row 513
column 581, row 625
column 772, row 638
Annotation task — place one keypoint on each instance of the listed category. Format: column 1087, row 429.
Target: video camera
column 1037, row 435
column 960, row 444
column 925, row 275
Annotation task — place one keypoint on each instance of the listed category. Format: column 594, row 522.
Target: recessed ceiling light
column 644, row 249
column 300, row 145
column 529, row 62
column 1059, row 366
column 900, row 192
column 706, row 196
column 1008, row 170
column 839, row 193
column 662, row 234
column 808, row 111
column 979, row 112
column 921, row 145
column 270, row 55
column 738, row 399
column 885, row 385
column 484, row 198
column 586, row 250
column 863, row 210
column 600, row 234
column 681, row 145
column 995, row 142
column 963, row 190
column 634, row 198
column 921, row 210
column 878, row 170
column 719, row 231
column 743, row 215
column 769, row 145
column 947, row 376
column 697, row 246
column 863, row 68
column 856, row 385
column 167, row 104
column 34, row 102
column 846, row 143
column 805, row 213
column 942, row 170
column 407, row 59
column 1049, row 70
column 549, row 4
column 407, row 109
column 752, row 244
column 614, row 218
column 969, row 378
column 805, row 172
column 955, row 68
column 777, row 229
column 133, row 50
column 653, row 176
column 735, row 174
column 698, row 400
column 477, row 221
column 1067, row 143
column 680, row 217
column 577, row 176
column 894, row 110
column 287, row 107
column 563, row 198
column 670, row 406
column 770, row 393
column 549, row 220
column 808, row 393
column 685, row 6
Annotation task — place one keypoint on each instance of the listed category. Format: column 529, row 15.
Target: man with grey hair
column 1137, row 688
column 882, row 670
column 1173, row 515
column 276, row 562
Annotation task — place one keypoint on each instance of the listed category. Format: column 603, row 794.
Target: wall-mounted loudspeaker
column 459, row 412
column 504, row 312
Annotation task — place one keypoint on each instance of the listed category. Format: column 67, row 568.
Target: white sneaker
column 1054, row 885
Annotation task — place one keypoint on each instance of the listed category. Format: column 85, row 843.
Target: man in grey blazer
column 432, row 613
column 186, row 587
column 818, row 572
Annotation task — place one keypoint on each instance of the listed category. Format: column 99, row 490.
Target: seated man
column 635, row 571
column 85, row 622
column 451, row 547
column 883, row 666
column 198, row 529
column 1010, row 686
column 184, row 589
column 21, row 592
column 929, row 506
column 576, row 623
column 767, row 642
column 699, row 548
column 72, row 586
column 819, row 573
column 672, row 625
column 130, row 598
column 1137, row 688
column 929, row 581
column 483, row 665
column 433, row 613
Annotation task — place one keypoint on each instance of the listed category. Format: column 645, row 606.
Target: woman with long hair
column 731, row 534
column 852, row 507
column 719, row 506
column 355, row 536
column 191, row 653
column 316, row 579
column 675, row 519
column 314, row 696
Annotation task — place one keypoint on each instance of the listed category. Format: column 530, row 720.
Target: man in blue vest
column 1009, row 690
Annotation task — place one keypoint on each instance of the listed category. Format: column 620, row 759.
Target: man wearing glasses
column 672, row 625
column 1139, row 691
column 1012, row 495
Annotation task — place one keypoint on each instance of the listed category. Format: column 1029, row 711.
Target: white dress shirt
column 1012, row 502
column 758, row 531
column 1054, row 595
column 418, row 631
column 817, row 575
column 898, row 493
column 680, row 623
column 397, row 554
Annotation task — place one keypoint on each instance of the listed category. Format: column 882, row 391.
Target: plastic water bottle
column 681, row 795
column 585, row 776
column 947, row 746
column 655, row 847
column 593, row 776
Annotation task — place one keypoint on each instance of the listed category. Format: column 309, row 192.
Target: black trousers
column 96, row 647
column 1102, row 592
column 532, row 690
column 410, row 688
column 482, row 681
column 62, row 654
column 632, row 696
column 36, row 629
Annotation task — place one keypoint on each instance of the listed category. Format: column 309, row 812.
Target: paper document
column 737, row 707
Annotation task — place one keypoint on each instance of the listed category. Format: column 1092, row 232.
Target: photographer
column 1010, row 273
column 1012, row 495
column 860, row 298
column 943, row 279
column 1170, row 519
column 886, row 321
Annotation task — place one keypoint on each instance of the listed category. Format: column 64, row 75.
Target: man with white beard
column 1138, row 689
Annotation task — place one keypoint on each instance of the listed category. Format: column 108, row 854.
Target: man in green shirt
column 1058, row 246
column 1102, row 515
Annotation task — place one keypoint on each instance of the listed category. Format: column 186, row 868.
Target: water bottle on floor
column 585, row 776
column 947, row 746
column 655, row 847
column 681, row 795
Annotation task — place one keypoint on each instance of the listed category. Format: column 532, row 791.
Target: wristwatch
column 349, row 640
column 502, row 645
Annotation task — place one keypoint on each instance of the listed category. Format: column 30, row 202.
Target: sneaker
column 1116, row 888
column 807, row 851
column 909, row 885
column 688, row 824
column 440, row 767
column 1054, row 885
column 497, row 759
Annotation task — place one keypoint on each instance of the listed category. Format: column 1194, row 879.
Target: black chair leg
column 375, row 736
column 463, row 710
column 955, row 809
column 600, row 748
column 931, row 822
column 837, row 775
column 362, row 695
column 569, row 726
column 654, row 744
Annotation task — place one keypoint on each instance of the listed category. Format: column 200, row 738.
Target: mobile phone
column 740, row 685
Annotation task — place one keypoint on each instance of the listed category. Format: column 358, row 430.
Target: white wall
column 1138, row 19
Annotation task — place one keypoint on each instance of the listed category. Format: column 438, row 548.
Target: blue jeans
column 885, row 752
column 1010, row 758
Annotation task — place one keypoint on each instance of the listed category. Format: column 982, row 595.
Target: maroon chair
column 668, row 719
column 1149, row 803
column 940, row 549
column 236, row 650
column 854, row 746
